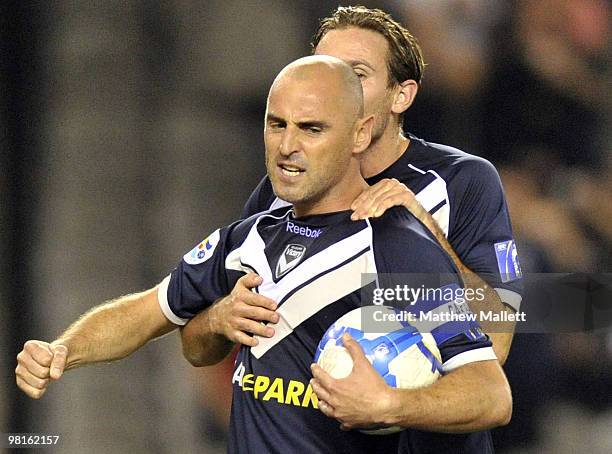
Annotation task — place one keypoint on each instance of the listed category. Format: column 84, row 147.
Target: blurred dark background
column 131, row 129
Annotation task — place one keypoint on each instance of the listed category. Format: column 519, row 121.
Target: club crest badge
column 291, row 256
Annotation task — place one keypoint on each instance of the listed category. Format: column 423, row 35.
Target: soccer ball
column 404, row 357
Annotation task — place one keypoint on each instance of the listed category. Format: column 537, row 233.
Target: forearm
column 237, row 318
column 465, row 400
column 202, row 346
column 114, row 330
column 500, row 332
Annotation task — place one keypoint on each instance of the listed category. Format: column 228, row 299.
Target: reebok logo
column 304, row 231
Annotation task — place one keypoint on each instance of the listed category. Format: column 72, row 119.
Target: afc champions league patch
column 290, row 257
column 204, row 250
column 507, row 261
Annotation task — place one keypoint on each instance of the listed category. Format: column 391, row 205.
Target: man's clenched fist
column 38, row 364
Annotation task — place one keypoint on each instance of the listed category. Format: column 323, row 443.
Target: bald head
column 314, row 134
column 324, row 75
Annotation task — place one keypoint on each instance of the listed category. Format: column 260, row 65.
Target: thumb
column 58, row 363
column 354, row 349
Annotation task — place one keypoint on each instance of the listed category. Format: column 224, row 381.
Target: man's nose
column 290, row 142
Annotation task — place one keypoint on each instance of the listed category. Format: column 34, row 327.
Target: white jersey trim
column 310, row 299
column 162, row 298
column 251, row 255
column 278, row 203
column 373, row 265
column 433, row 195
column 471, row 356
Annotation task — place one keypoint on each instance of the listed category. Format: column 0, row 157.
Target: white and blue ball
column 404, row 357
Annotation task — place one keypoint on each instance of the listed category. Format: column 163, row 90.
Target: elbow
column 201, row 356
column 193, row 348
column 501, row 411
column 195, row 358
column 506, row 414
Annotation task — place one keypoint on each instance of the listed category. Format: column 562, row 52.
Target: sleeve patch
column 507, row 261
column 204, row 250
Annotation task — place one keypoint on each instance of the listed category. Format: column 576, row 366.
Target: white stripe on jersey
column 278, row 203
column 471, row 356
column 442, row 217
column 432, row 195
column 250, row 256
column 330, row 285
column 162, row 299
column 317, row 295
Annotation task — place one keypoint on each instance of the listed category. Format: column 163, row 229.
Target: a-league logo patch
column 204, row 250
column 290, row 257
column 507, row 261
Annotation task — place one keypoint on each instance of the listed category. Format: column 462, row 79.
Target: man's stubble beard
column 381, row 119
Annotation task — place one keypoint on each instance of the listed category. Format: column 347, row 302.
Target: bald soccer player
column 458, row 196
column 314, row 134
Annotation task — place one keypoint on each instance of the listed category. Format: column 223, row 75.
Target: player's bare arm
column 473, row 397
column 387, row 193
column 108, row 332
column 236, row 318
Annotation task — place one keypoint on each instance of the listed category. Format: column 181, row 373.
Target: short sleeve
column 480, row 229
column 199, row 279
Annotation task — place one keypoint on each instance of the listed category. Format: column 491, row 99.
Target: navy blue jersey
column 464, row 195
column 317, row 268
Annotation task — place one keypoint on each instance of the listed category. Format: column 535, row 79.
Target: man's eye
column 313, row 129
column 276, row 125
column 360, row 75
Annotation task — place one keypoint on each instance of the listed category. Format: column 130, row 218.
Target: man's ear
column 404, row 96
column 363, row 134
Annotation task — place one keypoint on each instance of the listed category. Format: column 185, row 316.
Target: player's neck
column 385, row 151
column 338, row 198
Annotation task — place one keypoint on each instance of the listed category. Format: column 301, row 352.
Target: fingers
column 322, row 383
column 242, row 338
column 58, row 364
column 244, row 318
column 354, row 349
column 249, row 281
column 29, row 390
column 330, row 412
column 321, row 390
column 32, row 373
column 326, row 409
column 374, row 201
column 38, row 351
column 243, row 292
column 30, row 380
column 245, row 310
column 244, row 313
column 253, row 327
column 322, row 394
column 365, row 201
column 28, row 363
